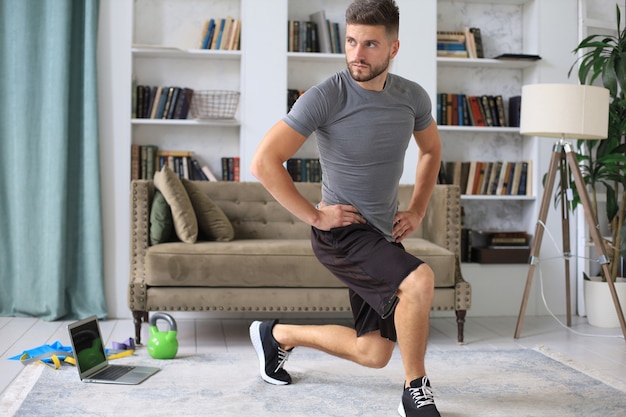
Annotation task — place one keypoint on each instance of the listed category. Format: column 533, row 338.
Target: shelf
column 478, row 129
column 498, row 197
column 187, row 122
column 315, row 57
column 485, row 63
column 144, row 51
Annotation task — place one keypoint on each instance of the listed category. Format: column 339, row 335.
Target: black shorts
column 372, row 267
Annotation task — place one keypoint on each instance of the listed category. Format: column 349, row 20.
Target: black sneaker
column 271, row 356
column 417, row 400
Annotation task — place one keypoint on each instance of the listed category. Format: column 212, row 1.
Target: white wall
column 114, row 83
column 114, row 67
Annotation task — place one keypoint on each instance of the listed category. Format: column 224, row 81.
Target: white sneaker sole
column 401, row 410
column 255, row 338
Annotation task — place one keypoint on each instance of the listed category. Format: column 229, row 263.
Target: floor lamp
column 565, row 111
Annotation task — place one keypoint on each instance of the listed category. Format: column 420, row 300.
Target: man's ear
column 395, row 48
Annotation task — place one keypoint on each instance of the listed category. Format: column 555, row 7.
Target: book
column 224, row 43
column 161, row 103
column 156, row 101
column 478, row 41
column 499, row 255
column 235, row 35
column 518, row 57
column 135, row 161
column 183, row 103
column 484, row 101
column 168, row 102
column 500, row 110
column 470, row 177
column 323, row 33
column 219, row 28
column 208, row 40
column 477, row 112
column 515, row 104
column 207, row 171
column 205, row 29
column 450, row 36
column 198, row 174
column 470, row 44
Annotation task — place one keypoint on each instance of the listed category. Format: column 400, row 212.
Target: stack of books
column 147, row 159
column 466, row 43
column 221, row 34
column 500, row 247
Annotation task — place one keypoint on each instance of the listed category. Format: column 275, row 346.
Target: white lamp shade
column 565, row 110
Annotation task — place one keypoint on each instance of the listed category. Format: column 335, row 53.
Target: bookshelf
column 263, row 70
column 507, row 26
column 168, row 54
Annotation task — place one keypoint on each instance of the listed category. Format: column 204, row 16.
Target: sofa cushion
column 185, row 223
column 161, row 222
column 260, row 262
column 212, row 222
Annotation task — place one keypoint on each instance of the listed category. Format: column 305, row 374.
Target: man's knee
column 375, row 352
column 421, row 281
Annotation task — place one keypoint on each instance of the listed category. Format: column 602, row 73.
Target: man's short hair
column 375, row 13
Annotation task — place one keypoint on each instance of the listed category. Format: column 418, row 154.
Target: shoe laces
column 422, row 396
column 283, row 355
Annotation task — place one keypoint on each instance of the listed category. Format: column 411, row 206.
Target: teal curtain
column 51, row 250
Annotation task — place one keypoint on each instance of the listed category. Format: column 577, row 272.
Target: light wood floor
column 606, row 355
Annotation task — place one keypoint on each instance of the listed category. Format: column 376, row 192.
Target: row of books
column 489, row 178
column 466, row 43
column 145, row 160
column 484, row 110
column 495, row 247
column 161, row 102
column 221, row 34
column 231, row 170
column 305, row 169
column 317, row 34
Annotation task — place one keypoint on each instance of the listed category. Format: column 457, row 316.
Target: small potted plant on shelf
column 603, row 162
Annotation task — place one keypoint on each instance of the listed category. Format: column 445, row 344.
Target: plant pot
column 599, row 303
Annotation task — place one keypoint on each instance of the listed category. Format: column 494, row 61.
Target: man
column 364, row 118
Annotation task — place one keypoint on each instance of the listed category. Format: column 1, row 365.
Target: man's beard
column 374, row 71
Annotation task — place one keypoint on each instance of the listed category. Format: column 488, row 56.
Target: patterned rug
column 506, row 383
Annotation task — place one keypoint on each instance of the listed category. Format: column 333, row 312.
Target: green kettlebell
column 162, row 345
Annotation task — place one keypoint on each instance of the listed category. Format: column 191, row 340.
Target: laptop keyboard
column 113, row 372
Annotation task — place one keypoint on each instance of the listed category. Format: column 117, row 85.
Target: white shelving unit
column 263, row 70
column 167, row 54
column 507, row 26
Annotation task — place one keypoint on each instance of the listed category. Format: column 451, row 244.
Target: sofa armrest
column 141, row 194
column 442, row 222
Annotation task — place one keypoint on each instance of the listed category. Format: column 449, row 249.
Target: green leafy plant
column 603, row 162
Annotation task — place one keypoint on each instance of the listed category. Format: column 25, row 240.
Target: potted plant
column 603, row 162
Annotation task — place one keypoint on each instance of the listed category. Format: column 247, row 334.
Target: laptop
column 91, row 360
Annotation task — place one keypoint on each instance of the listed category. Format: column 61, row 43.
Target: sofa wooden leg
column 138, row 318
column 460, row 323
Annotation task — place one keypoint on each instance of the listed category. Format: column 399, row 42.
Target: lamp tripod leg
column 595, row 233
column 556, row 163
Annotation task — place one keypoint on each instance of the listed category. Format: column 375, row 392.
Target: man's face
column 368, row 52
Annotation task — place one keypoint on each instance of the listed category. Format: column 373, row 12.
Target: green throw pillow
column 161, row 221
column 212, row 221
column 185, row 223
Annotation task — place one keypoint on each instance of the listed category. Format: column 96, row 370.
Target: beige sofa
column 269, row 266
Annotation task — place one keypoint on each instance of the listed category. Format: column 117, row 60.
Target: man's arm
column 428, row 165
column 279, row 144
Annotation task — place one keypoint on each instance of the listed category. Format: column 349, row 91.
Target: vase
column 599, row 303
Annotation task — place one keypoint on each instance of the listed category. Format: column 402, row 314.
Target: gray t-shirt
column 362, row 138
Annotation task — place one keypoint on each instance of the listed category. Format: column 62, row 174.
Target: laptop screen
column 87, row 343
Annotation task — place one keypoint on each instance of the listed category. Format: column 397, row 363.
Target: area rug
column 506, row 383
